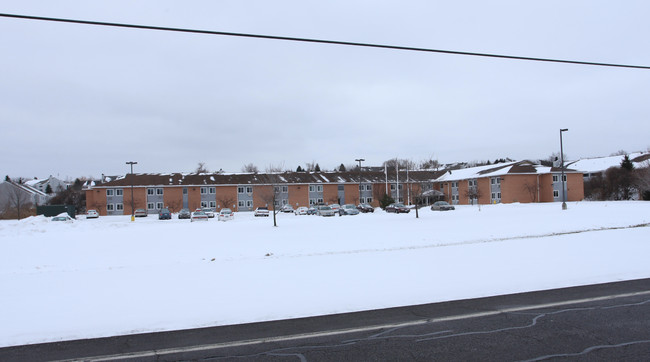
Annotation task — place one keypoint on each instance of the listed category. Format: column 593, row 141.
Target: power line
column 321, row 41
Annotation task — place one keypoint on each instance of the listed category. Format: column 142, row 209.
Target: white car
column 262, row 211
column 199, row 215
column 225, row 215
column 325, row 210
column 62, row 217
column 301, row 210
column 208, row 211
column 92, row 214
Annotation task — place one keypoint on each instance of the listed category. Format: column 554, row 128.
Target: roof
column 600, row 164
column 500, row 169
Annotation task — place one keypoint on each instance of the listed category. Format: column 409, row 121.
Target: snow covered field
column 110, row 276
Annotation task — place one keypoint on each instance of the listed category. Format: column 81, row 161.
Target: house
column 14, row 196
column 590, row 167
column 54, row 183
column 506, row 182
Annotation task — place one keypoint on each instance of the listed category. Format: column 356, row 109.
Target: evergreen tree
column 299, row 169
column 317, row 168
column 7, row 178
column 627, row 164
column 342, row 168
column 385, row 201
column 48, row 189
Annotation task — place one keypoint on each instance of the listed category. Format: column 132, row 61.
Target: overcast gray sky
column 80, row 100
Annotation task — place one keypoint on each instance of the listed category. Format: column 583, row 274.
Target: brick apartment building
column 509, row 182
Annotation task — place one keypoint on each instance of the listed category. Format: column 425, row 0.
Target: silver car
column 325, row 210
column 348, row 209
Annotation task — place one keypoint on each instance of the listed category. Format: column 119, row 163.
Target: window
column 312, row 201
column 150, row 205
column 249, row 203
column 312, row 188
column 494, row 196
column 119, row 192
column 241, row 203
column 368, row 187
column 249, row 190
column 213, row 190
column 119, row 207
column 109, row 192
column 341, row 187
column 454, row 184
column 151, row 191
column 362, row 200
column 204, row 204
column 493, row 181
column 159, row 205
column 319, row 188
column 368, row 200
column 362, row 187
column 564, row 178
column 400, row 186
column 471, row 183
column 213, row 204
column 184, row 190
column 319, row 200
column 498, row 180
column 110, row 207
column 555, row 178
column 499, row 195
column 277, row 189
column 204, row 190
column 284, row 201
column 285, row 189
column 392, row 187
column 159, row 191
column 556, row 193
column 240, row 190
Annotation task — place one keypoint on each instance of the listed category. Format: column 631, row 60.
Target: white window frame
column 249, row 190
column 240, row 189
column 312, row 202
column 319, row 188
column 109, row 192
column 110, row 207
column 159, row 205
column 151, row 206
column 241, row 203
column 312, row 188
column 368, row 187
column 204, row 204
column 213, row 204
column 556, row 193
column 159, row 191
column 119, row 192
column 151, row 192
column 284, row 202
column 119, row 206
column 320, row 200
column 212, row 190
column 249, row 203
column 556, row 178
column 204, row 190
column 369, row 200
column 285, row 189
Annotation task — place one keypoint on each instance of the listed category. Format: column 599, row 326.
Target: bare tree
column 531, row 189
column 271, row 194
column 473, row 193
column 251, row 168
column 18, row 201
column 227, row 201
column 430, row 164
column 201, row 168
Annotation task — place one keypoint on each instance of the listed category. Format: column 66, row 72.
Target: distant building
column 13, row 194
column 591, row 167
column 55, row 184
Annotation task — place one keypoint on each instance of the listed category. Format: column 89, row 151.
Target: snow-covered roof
column 600, row 164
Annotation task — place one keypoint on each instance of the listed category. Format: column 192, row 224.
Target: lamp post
column 562, row 168
column 132, row 210
column 359, row 160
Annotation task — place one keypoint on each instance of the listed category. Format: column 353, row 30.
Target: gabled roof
column 600, row 164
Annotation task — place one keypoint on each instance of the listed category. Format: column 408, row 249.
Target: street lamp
column 132, row 210
column 359, row 160
column 562, row 167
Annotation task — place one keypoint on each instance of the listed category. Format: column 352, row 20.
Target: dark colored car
column 442, row 206
column 397, row 208
column 365, row 208
column 184, row 214
column 164, row 214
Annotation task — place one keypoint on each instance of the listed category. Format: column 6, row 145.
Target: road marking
column 161, row 352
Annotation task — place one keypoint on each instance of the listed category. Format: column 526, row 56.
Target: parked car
column 184, row 214
column 442, row 206
column 164, row 214
column 226, row 214
column 301, row 210
column 348, row 209
column 62, row 217
column 262, row 211
column 92, row 214
column 199, row 215
column 311, row 210
column 208, row 211
column 140, row 213
column 365, row 208
column 397, row 208
column 286, row 208
column 335, row 207
column 325, row 210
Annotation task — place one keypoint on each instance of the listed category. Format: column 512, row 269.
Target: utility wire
column 320, row 41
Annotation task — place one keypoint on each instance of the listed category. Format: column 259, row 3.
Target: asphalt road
column 602, row 322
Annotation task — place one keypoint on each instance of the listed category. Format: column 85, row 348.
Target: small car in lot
column 397, row 208
column 226, row 214
column 199, row 215
column 325, row 210
column 140, row 213
column 92, row 214
column 287, row 208
column 302, row 210
column 62, row 217
column 164, row 214
column 442, row 206
column 208, row 211
column 262, row 211
column 335, row 207
column 184, row 214
column 311, row 210
column 365, row 208
column 348, row 209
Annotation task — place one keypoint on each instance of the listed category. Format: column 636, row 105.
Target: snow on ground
column 111, row 276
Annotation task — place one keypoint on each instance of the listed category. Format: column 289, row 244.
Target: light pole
column 562, row 168
column 132, row 210
column 359, row 160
